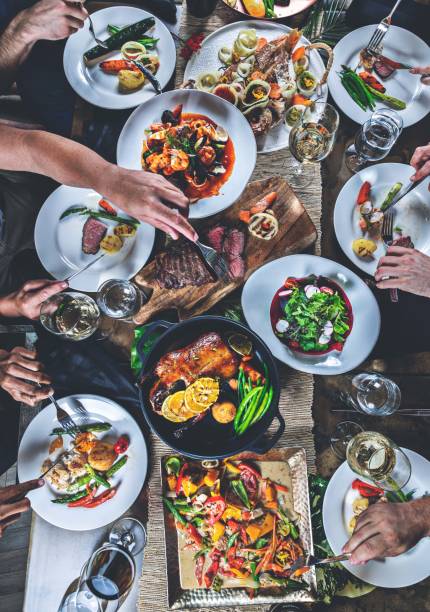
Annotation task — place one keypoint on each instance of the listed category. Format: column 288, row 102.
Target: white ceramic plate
column 412, row 215
column 393, row 572
column 223, row 113
column 261, row 287
column 33, row 451
column 58, row 243
column 399, row 45
column 206, row 60
column 101, row 89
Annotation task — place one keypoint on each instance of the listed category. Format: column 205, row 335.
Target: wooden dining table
column 410, row 370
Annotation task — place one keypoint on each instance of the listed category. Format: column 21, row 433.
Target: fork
column 83, row 413
column 387, row 238
column 66, row 423
column 214, row 260
column 100, row 42
column 374, row 44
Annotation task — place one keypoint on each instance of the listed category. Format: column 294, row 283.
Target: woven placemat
column 297, row 387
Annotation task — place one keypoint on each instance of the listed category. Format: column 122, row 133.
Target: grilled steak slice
column 215, row 237
column 236, row 267
column 403, row 241
column 209, row 355
column 181, row 266
column 382, row 69
column 92, row 234
column 234, row 243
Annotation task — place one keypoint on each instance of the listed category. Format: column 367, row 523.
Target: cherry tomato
column 121, row 445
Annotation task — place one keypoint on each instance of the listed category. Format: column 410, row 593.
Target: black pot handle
column 148, row 331
column 265, row 443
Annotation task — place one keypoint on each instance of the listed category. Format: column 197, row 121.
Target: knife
column 311, row 561
column 148, row 74
column 404, row 192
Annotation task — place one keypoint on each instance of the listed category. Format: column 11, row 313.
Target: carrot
column 270, row 551
column 264, row 203
column 107, row 207
column 275, row 91
column 245, row 216
column 257, row 75
column 298, row 54
column 261, row 42
column 114, row 66
column 298, row 99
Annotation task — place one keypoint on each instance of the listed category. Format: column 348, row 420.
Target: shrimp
column 114, row 66
column 179, row 160
column 207, row 155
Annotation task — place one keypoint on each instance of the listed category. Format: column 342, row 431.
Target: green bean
column 79, row 482
column 242, row 406
column 97, row 477
column 116, row 466
column 67, row 499
column 246, row 421
column 352, row 94
column 171, row 508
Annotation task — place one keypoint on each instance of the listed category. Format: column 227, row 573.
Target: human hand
column 407, row 269
column 27, row 301
column 50, row 20
column 387, row 530
column 17, row 368
column 424, row 71
column 420, row 160
column 151, row 198
column 13, row 502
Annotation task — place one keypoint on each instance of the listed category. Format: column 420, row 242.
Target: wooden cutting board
column 296, row 233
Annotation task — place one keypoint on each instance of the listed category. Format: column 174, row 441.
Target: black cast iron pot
column 206, row 439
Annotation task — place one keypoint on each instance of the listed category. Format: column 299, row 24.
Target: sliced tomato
column 211, row 573
column 194, row 534
column 215, row 507
column 364, row 193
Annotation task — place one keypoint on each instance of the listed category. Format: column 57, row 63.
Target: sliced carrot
column 264, row 203
column 245, row 216
column 294, row 37
column 298, row 99
column 261, row 42
column 275, row 91
column 298, row 54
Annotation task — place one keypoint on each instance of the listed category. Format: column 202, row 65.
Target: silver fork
column 214, row 260
column 66, row 423
column 100, row 42
column 374, row 44
column 387, row 237
column 82, row 412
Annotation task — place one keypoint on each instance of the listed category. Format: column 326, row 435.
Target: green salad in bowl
column 311, row 315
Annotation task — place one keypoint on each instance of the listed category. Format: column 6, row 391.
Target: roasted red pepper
column 101, row 499
column 371, row 80
column 212, row 570
column 246, row 466
column 181, row 478
column 364, row 193
column 198, row 570
column 107, row 207
column 233, row 525
column 194, row 534
column 215, row 507
column 121, row 445
column 83, row 501
column 367, row 490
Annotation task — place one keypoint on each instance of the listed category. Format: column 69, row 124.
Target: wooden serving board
column 296, row 232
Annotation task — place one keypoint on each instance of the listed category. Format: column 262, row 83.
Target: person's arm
column 406, row 269
column 13, row 502
column 144, row 195
column 420, row 160
column 388, row 529
column 424, row 71
column 45, row 20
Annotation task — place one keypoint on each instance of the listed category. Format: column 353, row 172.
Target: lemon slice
column 174, row 409
column 240, row 344
column 201, row 395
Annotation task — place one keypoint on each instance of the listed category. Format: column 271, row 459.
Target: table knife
column 311, row 561
column 403, row 192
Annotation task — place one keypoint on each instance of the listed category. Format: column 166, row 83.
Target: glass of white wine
column 378, row 459
column 312, row 137
column 71, row 315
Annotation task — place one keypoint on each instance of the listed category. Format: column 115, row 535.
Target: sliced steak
column 382, row 69
column 403, row 241
column 92, row 234
column 215, row 237
column 181, row 266
column 236, row 267
column 234, row 243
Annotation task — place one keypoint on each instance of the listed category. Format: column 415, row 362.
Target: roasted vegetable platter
column 288, row 471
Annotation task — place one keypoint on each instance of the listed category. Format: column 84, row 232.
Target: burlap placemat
column 297, row 387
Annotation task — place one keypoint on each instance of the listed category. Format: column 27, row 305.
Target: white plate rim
column 263, row 327
column 276, row 27
column 198, row 210
column 341, row 479
column 341, row 97
column 104, row 514
column 87, row 280
column 115, row 100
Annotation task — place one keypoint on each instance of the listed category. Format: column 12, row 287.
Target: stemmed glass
column 375, row 457
column 312, row 137
column 342, row 435
column 109, row 573
column 374, row 139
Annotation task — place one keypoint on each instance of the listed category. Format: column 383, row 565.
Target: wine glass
column 342, row 435
column 312, row 137
column 71, row 315
column 109, row 573
column 119, row 299
column 375, row 457
column 374, row 139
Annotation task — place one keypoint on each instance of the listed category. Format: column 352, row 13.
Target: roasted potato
column 111, row 244
column 224, row 412
column 124, row 231
column 352, row 523
column 130, row 80
column 102, row 456
column 364, row 247
column 56, row 444
column 85, row 441
column 359, row 505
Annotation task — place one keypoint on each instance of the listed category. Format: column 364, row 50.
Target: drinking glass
column 342, row 435
column 375, row 457
column 371, row 393
column 119, row 299
column 312, row 137
column 71, row 315
column 109, row 573
column 374, row 139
